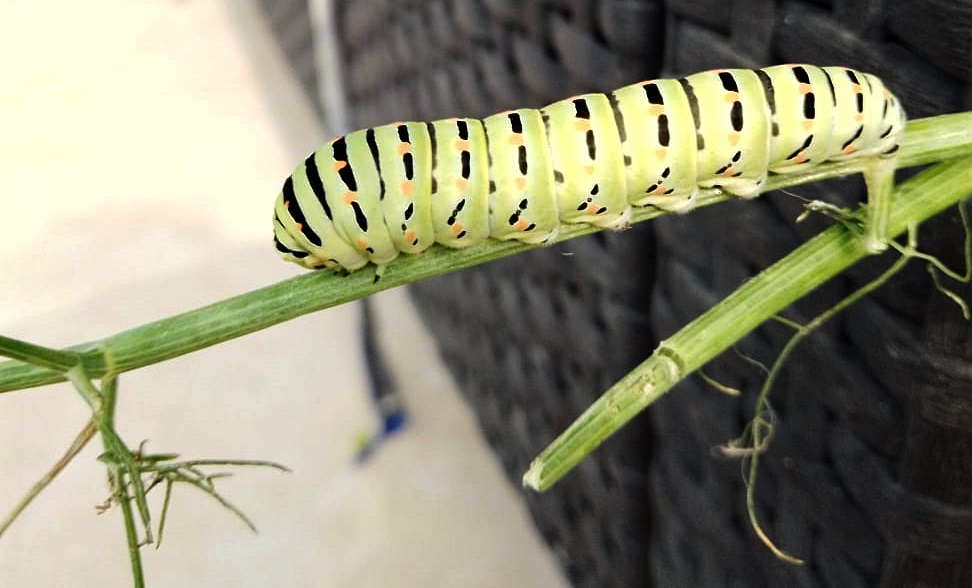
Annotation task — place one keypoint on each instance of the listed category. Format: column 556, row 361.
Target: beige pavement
column 140, row 152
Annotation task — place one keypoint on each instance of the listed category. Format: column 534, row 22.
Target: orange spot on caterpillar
column 520, row 183
column 859, row 117
column 409, row 237
column 403, row 148
column 300, row 226
column 656, row 110
column 661, row 153
column 361, row 244
column 807, row 124
column 521, row 225
column 804, row 88
column 582, row 125
column 461, row 145
column 286, row 203
column 349, row 197
column 461, row 184
column 731, row 97
column 406, row 188
column 849, row 149
column 800, row 158
column 589, row 170
column 516, row 139
column 733, row 138
column 456, row 228
column 339, row 165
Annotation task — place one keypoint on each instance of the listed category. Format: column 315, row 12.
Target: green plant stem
column 926, row 140
column 120, row 461
column 120, row 458
column 131, row 533
column 756, row 301
column 43, row 357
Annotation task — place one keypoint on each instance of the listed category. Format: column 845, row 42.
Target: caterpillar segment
column 588, row 168
column 802, row 106
column 460, row 177
column 659, row 156
column 371, row 194
column 732, row 130
column 522, row 201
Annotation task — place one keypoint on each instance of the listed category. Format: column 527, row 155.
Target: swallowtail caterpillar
column 371, row 194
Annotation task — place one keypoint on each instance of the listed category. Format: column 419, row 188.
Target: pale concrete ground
column 139, row 156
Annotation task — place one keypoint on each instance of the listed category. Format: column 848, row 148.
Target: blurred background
column 142, row 146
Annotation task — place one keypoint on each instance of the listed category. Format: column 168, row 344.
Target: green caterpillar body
column 371, row 194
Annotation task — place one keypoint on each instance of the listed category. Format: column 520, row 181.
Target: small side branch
column 79, row 443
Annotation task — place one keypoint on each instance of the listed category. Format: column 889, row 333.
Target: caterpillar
column 399, row 188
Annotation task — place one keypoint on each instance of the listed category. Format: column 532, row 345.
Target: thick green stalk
column 926, row 140
column 753, row 303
